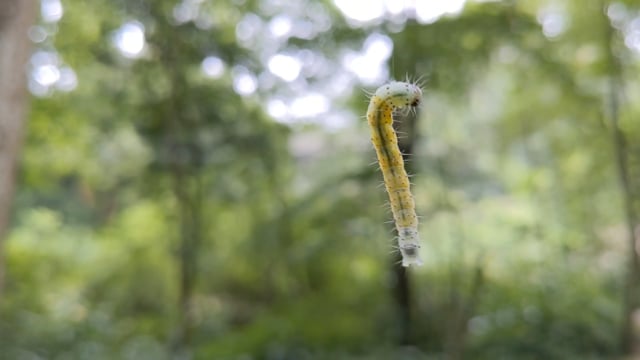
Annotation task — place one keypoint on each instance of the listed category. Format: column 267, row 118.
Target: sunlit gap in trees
column 51, row 10
column 553, row 20
column 628, row 22
column 48, row 72
column 213, row 67
column 366, row 65
column 130, row 39
column 244, row 81
column 425, row 12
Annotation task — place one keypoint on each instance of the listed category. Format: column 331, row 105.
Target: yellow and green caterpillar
column 384, row 101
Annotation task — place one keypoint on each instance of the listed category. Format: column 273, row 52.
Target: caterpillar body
column 384, row 101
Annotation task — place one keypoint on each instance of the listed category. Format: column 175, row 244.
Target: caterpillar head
column 400, row 94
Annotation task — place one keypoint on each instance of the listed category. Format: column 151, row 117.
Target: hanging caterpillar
column 384, row 101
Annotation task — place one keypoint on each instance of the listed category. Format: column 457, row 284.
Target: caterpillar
column 385, row 100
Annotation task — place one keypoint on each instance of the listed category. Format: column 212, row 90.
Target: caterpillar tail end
column 409, row 247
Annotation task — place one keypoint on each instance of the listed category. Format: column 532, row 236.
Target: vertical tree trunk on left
column 16, row 16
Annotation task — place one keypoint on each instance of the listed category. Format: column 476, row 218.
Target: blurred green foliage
column 151, row 184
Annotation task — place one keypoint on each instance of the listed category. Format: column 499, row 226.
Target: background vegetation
column 207, row 192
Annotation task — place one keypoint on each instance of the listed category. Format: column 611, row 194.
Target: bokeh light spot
column 130, row 40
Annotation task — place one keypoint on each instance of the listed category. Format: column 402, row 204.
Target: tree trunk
column 187, row 190
column 16, row 16
column 630, row 336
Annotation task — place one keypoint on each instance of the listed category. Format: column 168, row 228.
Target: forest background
column 193, row 180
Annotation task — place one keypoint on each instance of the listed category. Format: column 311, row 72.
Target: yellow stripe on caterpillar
column 384, row 101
